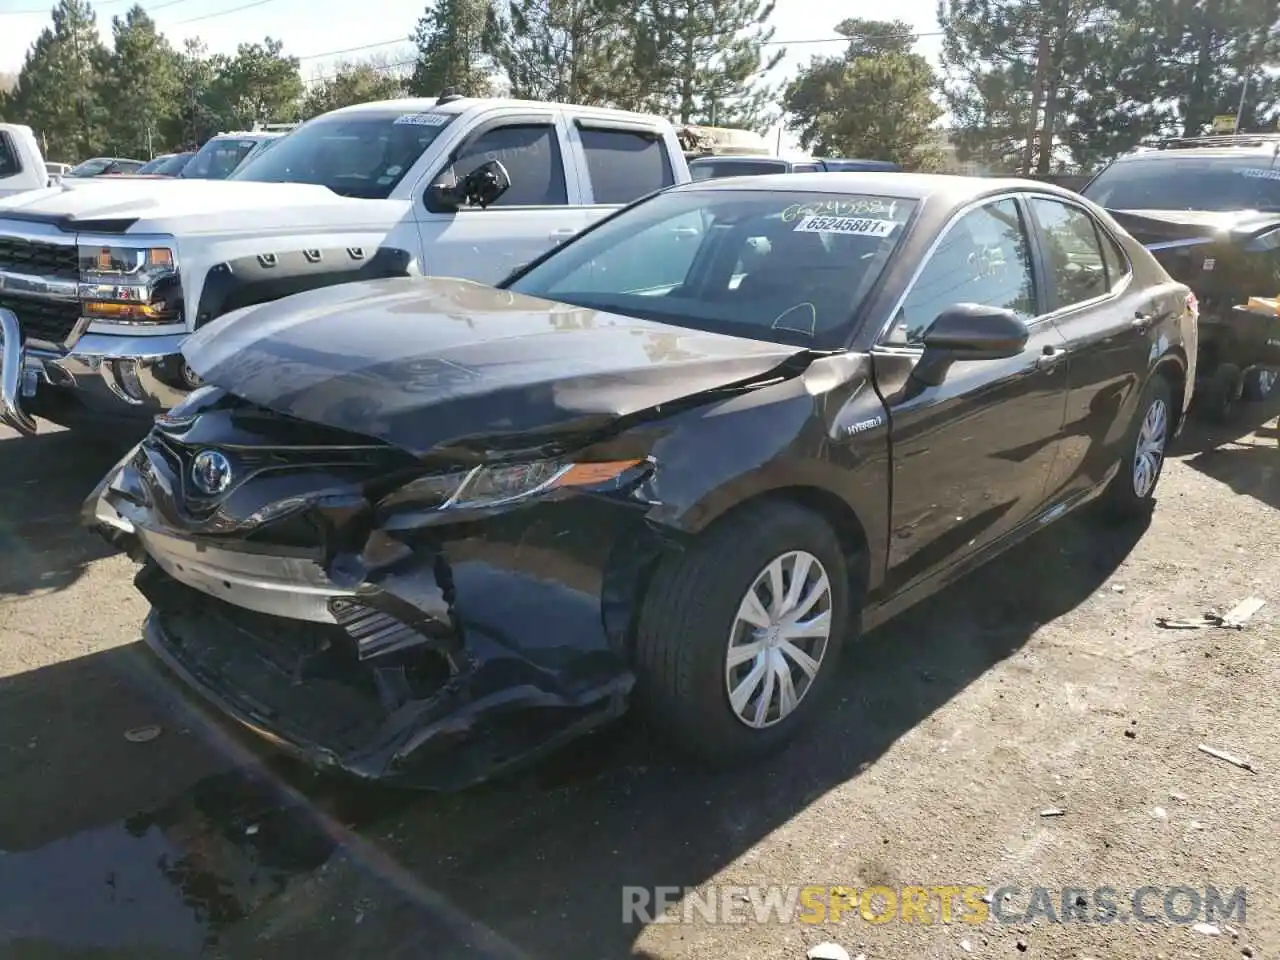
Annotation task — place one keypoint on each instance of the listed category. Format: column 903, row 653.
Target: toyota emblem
column 211, row 472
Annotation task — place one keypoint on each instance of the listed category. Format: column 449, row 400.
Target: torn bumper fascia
column 129, row 375
column 497, row 709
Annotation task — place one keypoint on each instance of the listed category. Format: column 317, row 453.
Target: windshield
column 172, row 166
column 713, row 169
column 785, row 266
column 362, row 154
column 90, row 168
column 1188, row 183
column 218, row 158
column 156, row 165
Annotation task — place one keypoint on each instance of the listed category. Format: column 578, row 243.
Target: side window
column 531, row 155
column 1074, row 258
column 1116, row 262
column 624, row 164
column 10, row 165
column 984, row 258
column 806, row 168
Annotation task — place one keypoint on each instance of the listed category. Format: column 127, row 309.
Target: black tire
column 685, row 622
column 1218, row 398
column 1122, row 500
column 1259, row 384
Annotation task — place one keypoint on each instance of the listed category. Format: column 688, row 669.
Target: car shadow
column 1243, row 454
column 46, row 479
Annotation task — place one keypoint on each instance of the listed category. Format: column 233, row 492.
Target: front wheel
column 1132, row 490
column 739, row 635
column 1259, row 383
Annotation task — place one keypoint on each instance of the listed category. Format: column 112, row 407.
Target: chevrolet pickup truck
column 101, row 283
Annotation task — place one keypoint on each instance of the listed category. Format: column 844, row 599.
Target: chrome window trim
column 957, row 215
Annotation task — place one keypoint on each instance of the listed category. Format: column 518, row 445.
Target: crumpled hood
column 426, row 362
column 171, row 204
column 1157, row 226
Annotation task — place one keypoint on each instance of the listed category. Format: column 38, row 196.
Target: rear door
column 972, row 456
column 1105, row 319
column 541, row 209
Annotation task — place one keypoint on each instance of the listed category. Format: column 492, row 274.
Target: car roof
column 950, row 188
column 456, row 105
column 1183, row 153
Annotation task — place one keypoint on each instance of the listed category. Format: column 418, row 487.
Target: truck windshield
column 778, row 265
column 1215, row 183
column 218, row 158
column 363, row 154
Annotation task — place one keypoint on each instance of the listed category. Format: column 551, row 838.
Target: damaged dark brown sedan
column 422, row 530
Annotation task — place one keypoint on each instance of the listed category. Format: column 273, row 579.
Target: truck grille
column 48, row 320
column 49, row 260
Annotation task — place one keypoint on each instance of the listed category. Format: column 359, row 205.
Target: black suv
column 1209, row 209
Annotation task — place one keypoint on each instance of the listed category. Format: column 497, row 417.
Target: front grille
column 39, row 259
column 48, row 320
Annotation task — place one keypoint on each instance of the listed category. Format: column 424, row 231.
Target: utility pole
column 1037, row 94
column 1244, row 90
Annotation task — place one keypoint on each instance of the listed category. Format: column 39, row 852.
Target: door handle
column 1143, row 321
column 1050, row 357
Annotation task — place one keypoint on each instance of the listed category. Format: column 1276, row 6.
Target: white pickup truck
column 100, row 284
column 22, row 167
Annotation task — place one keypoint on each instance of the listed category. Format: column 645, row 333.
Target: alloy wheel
column 778, row 639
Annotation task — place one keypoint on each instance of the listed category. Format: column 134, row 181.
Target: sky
column 317, row 30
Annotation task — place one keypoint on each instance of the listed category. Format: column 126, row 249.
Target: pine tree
column 58, row 92
column 561, row 50
column 142, row 73
column 451, row 42
column 702, row 61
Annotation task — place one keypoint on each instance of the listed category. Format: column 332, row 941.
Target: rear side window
column 714, row 169
column 1073, row 255
column 10, row 165
column 1116, row 262
column 625, row 165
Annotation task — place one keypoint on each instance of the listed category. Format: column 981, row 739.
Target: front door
column 539, row 211
column 1106, row 320
column 972, row 456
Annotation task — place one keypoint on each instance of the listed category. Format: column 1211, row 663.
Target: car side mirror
column 479, row 188
column 968, row 331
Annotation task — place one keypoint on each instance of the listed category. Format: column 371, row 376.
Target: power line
column 224, row 13
column 767, row 43
column 30, row 11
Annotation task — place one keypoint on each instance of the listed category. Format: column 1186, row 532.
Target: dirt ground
column 1042, row 683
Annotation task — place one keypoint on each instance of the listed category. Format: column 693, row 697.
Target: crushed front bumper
column 124, row 375
column 487, row 645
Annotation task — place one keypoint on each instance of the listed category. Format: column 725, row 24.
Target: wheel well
column 1173, row 368
column 842, row 518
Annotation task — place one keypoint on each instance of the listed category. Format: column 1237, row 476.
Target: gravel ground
column 1042, row 682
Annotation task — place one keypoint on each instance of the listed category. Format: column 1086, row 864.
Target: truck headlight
column 130, row 284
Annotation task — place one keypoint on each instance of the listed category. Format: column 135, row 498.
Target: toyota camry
column 424, row 529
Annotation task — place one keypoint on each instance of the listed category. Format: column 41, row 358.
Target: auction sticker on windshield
column 423, row 119
column 849, row 226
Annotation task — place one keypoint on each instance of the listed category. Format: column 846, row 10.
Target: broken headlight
column 501, row 484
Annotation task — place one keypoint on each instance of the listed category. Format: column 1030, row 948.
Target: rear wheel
column 1220, row 394
column 739, row 636
column 1132, row 491
column 1259, row 383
